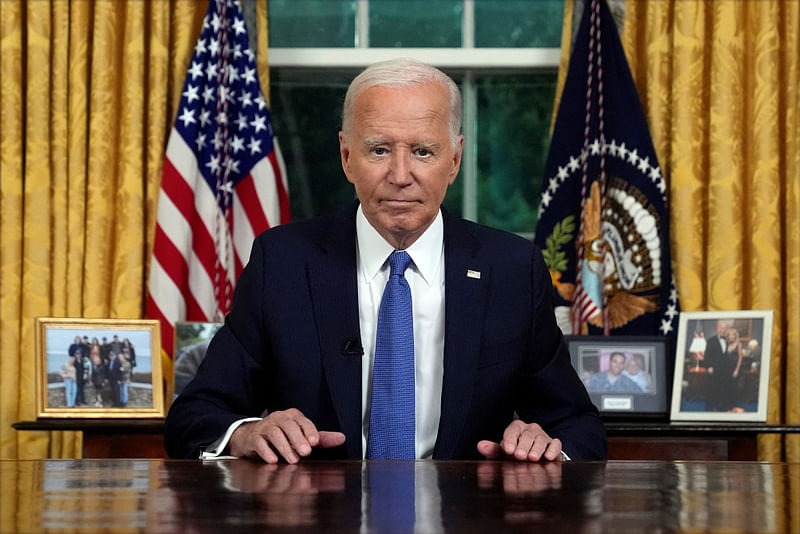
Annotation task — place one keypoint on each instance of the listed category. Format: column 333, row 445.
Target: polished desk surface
column 429, row 496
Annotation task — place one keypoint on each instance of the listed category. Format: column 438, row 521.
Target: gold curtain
column 720, row 86
column 89, row 92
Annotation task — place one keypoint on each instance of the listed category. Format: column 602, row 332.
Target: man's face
column 400, row 159
column 722, row 328
column 616, row 364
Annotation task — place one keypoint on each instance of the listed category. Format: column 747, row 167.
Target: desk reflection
column 165, row 496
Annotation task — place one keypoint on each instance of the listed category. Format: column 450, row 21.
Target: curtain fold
column 89, row 93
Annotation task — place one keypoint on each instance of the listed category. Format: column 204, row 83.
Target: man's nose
column 400, row 167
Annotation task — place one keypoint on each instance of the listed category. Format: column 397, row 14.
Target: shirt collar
column 425, row 252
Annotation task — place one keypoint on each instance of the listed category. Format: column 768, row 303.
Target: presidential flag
column 223, row 182
column 603, row 222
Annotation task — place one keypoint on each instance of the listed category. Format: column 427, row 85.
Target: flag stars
column 613, row 148
column 672, row 311
column 249, row 75
column 574, row 164
column 633, row 156
column 259, row 123
column 562, row 173
column 241, row 122
column 546, row 198
column 238, row 26
column 553, row 185
column 213, row 164
column 237, row 144
column 245, row 99
column 211, row 71
column 623, row 152
column 216, row 23
column 260, row 101
column 196, row 70
column 200, row 47
column 232, row 165
column 655, row 174
column 595, row 147
column 213, row 47
column 205, row 118
column 218, row 140
column 666, row 327
column 644, row 165
column 187, row 117
column 208, row 94
column 250, row 55
column 254, row 146
column 200, row 141
column 237, row 51
column 233, row 74
column 191, row 93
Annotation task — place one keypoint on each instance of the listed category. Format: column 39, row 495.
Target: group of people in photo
column 625, row 374
column 98, row 373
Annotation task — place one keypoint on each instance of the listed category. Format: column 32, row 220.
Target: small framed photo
column 626, row 376
column 98, row 368
column 191, row 343
column 722, row 366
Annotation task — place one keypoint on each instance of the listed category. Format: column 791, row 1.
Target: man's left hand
column 523, row 442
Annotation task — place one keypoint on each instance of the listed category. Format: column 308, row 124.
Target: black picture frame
column 631, row 394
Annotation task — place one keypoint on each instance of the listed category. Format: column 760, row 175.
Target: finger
column 277, row 439
column 330, row 439
column 553, row 450
column 309, row 430
column 511, row 437
column 525, row 444
column 295, row 431
column 263, row 450
column 490, row 450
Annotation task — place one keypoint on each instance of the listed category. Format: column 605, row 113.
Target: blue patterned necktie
column 391, row 420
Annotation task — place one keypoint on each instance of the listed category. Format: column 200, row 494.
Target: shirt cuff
column 565, row 457
column 215, row 450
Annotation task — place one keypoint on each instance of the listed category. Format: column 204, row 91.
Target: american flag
column 224, row 181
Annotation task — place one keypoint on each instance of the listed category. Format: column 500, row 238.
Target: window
column 503, row 54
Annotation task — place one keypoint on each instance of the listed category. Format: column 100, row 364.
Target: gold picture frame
column 98, row 368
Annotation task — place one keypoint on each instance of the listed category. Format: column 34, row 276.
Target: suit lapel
column 334, row 290
column 466, row 281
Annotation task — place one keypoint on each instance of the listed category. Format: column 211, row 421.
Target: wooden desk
column 166, row 496
column 688, row 441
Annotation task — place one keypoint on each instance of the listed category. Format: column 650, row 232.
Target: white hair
column 399, row 73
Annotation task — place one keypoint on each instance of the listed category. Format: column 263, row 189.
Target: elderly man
column 393, row 330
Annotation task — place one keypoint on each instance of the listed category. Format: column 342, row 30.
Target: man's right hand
column 284, row 434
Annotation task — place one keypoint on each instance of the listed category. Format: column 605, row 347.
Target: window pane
column 306, row 108
column 518, row 23
column 312, row 23
column 415, row 23
column 513, row 138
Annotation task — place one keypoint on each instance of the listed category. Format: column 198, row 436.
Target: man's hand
column 285, row 434
column 523, row 442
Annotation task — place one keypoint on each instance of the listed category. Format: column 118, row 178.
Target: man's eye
column 423, row 152
column 379, row 151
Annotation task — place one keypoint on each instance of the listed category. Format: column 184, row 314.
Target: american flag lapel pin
column 473, row 274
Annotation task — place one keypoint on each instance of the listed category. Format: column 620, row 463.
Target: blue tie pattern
column 391, row 420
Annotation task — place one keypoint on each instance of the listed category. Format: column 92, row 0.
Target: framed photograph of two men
column 722, row 366
column 98, row 368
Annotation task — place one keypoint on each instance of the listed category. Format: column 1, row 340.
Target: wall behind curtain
column 89, row 93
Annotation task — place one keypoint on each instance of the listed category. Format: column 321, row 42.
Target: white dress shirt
column 425, row 277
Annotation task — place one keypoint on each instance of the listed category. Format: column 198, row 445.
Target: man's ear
column 344, row 153
column 456, row 160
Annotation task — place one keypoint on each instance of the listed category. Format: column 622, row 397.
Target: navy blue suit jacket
column 289, row 343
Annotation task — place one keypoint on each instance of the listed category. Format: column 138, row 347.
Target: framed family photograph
column 98, row 368
column 191, row 342
column 722, row 366
column 626, row 376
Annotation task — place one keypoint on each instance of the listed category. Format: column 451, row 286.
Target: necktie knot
column 399, row 260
